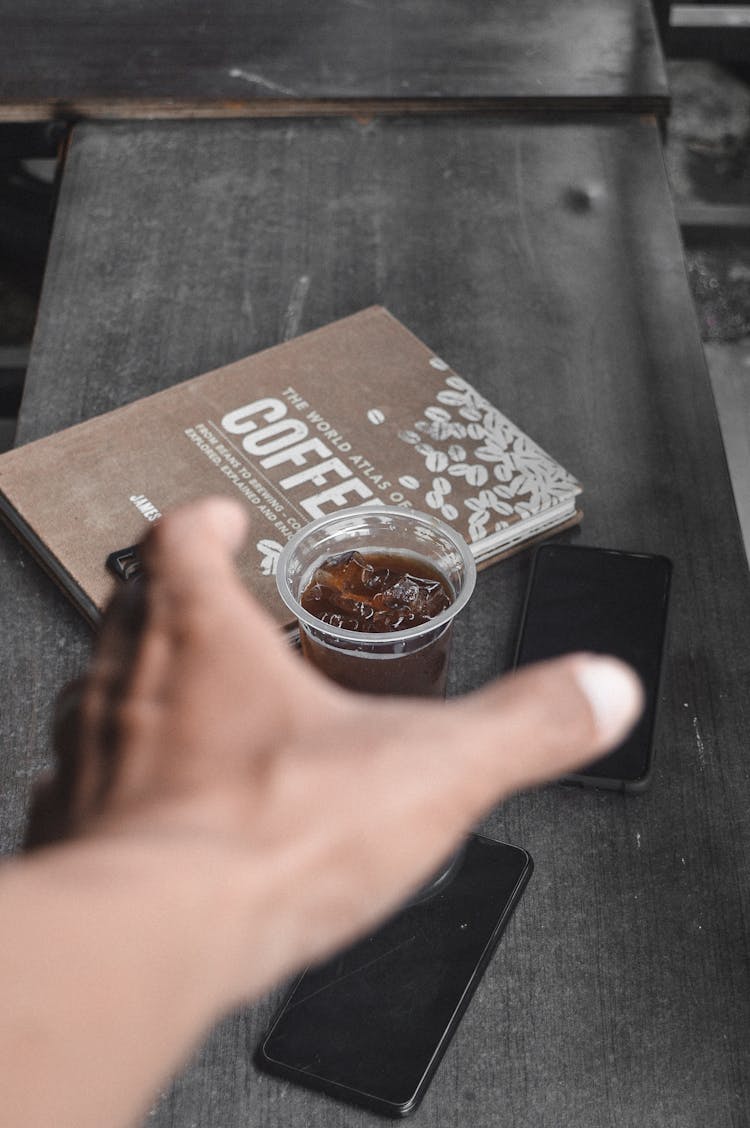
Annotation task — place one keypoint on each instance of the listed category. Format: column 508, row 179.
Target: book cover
column 355, row 412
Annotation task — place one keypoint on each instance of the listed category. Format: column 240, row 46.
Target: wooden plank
column 723, row 220
column 188, row 109
column 543, row 260
column 708, row 31
column 144, row 59
column 729, row 369
column 726, row 16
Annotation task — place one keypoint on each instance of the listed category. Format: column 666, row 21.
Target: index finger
column 194, row 541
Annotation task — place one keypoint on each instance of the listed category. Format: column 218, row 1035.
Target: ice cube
column 354, row 593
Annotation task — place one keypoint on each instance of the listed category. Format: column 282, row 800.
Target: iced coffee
column 375, row 591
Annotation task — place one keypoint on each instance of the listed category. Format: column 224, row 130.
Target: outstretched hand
column 198, row 734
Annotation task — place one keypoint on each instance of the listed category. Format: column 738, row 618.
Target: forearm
column 111, row 968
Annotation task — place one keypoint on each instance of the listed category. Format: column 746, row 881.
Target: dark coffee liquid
column 375, row 592
column 379, row 593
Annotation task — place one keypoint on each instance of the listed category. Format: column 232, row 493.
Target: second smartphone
column 609, row 602
column 371, row 1025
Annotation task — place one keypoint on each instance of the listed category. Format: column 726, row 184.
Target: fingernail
column 614, row 693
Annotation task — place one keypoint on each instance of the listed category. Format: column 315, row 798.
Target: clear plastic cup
column 411, row 662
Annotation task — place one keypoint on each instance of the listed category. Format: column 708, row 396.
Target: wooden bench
column 542, row 259
column 147, row 58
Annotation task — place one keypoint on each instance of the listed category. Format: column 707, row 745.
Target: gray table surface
column 542, row 260
column 105, row 58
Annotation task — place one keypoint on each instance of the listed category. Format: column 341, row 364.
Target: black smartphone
column 371, row 1025
column 611, row 602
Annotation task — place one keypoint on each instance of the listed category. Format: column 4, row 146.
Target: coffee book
column 359, row 411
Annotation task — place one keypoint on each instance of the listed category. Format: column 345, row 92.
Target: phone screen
column 610, row 602
column 371, row 1025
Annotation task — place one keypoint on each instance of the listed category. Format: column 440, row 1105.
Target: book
column 356, row 412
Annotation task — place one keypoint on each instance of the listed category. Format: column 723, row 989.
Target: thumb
column 545, row 720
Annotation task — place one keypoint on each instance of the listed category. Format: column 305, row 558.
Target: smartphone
column 371, row 1025
column 598, row 599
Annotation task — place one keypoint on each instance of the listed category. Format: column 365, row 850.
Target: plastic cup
column 411, row 662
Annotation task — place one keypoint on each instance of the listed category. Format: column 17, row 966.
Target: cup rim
column 437, row 623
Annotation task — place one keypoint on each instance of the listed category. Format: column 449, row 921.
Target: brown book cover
column 355, row 412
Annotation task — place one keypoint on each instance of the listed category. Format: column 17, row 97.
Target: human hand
column 199, row 736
